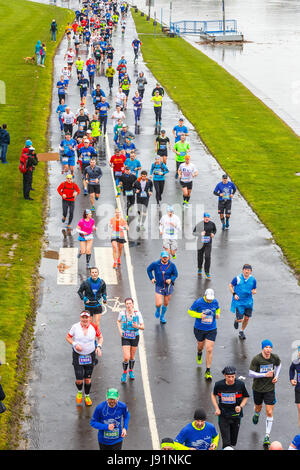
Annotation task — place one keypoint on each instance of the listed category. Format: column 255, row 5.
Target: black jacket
column 148, row 187
column 2, row 394
column 127, row 181
column 4, row 137
column 85, row 293
column 208, row 227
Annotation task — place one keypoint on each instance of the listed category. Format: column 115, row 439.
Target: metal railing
column 205, row 27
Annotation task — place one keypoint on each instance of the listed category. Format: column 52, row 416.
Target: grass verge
column 26, row 112
column 253, row 145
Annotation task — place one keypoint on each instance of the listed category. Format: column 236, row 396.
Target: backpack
column 23, row 163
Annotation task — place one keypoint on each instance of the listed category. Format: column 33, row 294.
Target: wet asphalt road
column 177, row 383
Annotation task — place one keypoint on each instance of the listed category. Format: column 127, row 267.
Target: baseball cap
column 85, row 314
column 89, row 131
column 112, row 393
column 124, row 125
column 206, row 214
column 229, row 370
column 170, row 209
column 88, row 211
column 200, row 414
column 164, row 254
column 225, row 177
column 163, row 131
column 209, row 294
column 180, row 119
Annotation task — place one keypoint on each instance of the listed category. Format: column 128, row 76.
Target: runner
column 117, row 163
column 136, row 44
column 93, row 173
column 61, row 108
column 206, row 310
column 181, row 149
column 225, row 191
column 180, row 130
column 109, row 73
column 295, row 444
column 159, row 171
column 86, row 152
column 141, row 82
column 82, row 336
column 137, row 107
column 97, row 94
column 243, row 287
column 143, row 190
column 67, row 150
column 61, row 89
column 186, row 172
column 68, row 119
column 169, row 227
column 79, row 64
column 162, row 142
column 295, row 369
column 68, row 190
column 82, row 120
column 85, row 228
column 204, row 231
column 163, row 273
column 157, row 100
column 111, row 418
column 117, row 225
column 264, row 370
column 232, row 397
column 83, row 84
column 126, row 182
column 92, row 291
column 103, row 106
column 131, row 161
column 129, row 322
column 200, row 434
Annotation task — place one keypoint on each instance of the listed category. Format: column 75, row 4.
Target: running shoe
column 93, row 209
column 242, row 335
column 174, row 256
column 200, row 272
column 143, row 228
column 162, row 319
column 88, row 401
column 85, row 193
column 115, row 266
column 131, row 375
column 79, row 398
column 208, row 276
column 236, row 324
column 266, row 442
column 208, row 375
column 123, row 378
column 119, row 261
column 63, row 219
column 255, row 418
column 223, row 227
column 88, row 266
column 227, row 223
column 79, row 254
column 199, row 358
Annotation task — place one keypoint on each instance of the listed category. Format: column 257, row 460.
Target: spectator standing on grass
column 2, row 397
column 43, row 54
column 53, row 29
column 4, row 142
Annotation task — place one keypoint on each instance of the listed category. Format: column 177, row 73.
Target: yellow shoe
column 79, row 398
column 88, row 401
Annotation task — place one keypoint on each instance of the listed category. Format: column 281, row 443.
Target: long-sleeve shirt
column 295, row 370
column 162, row 272
column 105, row 415
column 200, row 439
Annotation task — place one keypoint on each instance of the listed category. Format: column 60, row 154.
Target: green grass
column 258, row 150
column 26, row 112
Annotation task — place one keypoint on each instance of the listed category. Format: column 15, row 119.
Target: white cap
column 209, row 294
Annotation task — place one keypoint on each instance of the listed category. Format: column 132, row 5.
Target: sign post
column 170, row 14
column 223, row 6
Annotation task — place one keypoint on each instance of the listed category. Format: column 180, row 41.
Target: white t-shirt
column 187, row 172
column 87, row 342
column 115, row 116
column 120, row 97
column 170, row 226
column 70, row 57
column 68, row 118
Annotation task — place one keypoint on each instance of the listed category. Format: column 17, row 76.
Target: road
column 177, row 384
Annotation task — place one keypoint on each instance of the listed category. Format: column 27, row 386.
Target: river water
column 268, row 62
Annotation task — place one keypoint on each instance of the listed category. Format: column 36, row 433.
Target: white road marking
column 67, row 266
column 104, row 262
column 141, row 348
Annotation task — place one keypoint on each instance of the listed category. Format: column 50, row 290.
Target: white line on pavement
column 141, row 348
column 67, row 266
column 103, row 261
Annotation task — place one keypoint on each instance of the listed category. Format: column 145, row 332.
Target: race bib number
column 266, row 368
column 170, row 231
column 226, row 197
column 129, row 193
column 228, row 398
column 298, row 377
column 118, row 173
column 65, row 159
column 182, row 154
column 93, row 181
column 208, row 319
column 205, row 239
column 129, row 334
column 85, row 360
column 89, row 237
column 143, row 194
column 111, row 434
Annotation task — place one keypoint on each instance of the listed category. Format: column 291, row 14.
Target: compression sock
column 125, row 367
column 157, row 312
column 87, row 388
column 269, row 422
column 131, row 364
column 79, row 386
column 88, row 257
column 163, row 310
column 188, row 198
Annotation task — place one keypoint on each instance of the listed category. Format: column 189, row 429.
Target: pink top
column 86, row 225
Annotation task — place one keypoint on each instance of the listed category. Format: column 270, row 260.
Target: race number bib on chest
column 85, row 360
column 266, row 368
column 228, row 398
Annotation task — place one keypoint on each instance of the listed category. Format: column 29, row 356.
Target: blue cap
column 206, row 214
column 164, row 254
column 170, row 209
column 28, row 143
column 265, row 343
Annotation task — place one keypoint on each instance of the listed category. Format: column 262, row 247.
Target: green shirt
column 181, row 148
column 260, row 364
column 157, row 101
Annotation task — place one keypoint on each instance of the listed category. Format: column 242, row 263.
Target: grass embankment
column 259, row 152
column 26, row 112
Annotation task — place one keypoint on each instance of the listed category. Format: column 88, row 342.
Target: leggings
column 205, row 251
column 157, row 111
column 159, row 188
column 229, row 428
